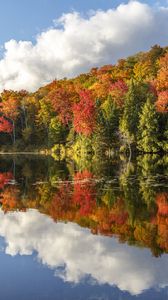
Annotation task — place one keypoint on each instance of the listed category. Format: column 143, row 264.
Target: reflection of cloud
column 81, row 253
column 76, row 44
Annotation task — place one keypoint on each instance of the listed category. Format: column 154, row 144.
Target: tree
column 109, row 119
column 101, row 87
column 45, row 113
column 162, row 77
column 57, row 131
column 9, row 108
column 61, row 100
column 155, row 53
column 130, row 118
column 143, row 70
column 162, row 102
column 5, row 125
column 117, row 91
column 148, row 128
column 84, row 114
column 162, row 108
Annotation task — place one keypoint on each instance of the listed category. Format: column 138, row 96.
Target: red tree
column 117, row 91
column 5, row 125
column 162, row 102
column 85, row 114
column 9, row 107
column 61, row 103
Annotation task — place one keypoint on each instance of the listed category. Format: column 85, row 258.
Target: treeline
column 121, row 106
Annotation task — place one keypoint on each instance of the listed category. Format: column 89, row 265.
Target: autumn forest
column 122, row 106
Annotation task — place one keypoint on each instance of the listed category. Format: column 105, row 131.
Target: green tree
column 129, row 120
column 45, row 113
column 57, row 131
column 148, row 132
column 135, row 98
column 110, row 114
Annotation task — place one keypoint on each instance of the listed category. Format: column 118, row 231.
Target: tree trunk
column 25, row 116
column 130, row 152
column 14, row 133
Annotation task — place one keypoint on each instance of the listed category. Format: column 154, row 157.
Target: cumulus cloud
column 76, row 43
column 73, row 253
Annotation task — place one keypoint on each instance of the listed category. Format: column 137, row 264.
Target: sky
column 23, row 19
column 46, row 39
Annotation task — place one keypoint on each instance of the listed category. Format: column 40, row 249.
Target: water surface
column 85, row 230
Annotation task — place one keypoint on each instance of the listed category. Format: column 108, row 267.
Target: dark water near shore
column 84, row 230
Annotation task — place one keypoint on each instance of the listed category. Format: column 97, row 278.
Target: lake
column 85, row 229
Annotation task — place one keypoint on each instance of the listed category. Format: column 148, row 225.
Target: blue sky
column 24, row 19
column 34, row 50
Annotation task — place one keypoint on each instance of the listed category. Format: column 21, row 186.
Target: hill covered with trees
column 122, row 106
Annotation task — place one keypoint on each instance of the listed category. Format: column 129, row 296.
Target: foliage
column 130, row 117
column 84, row 114
column 162, row 102
column 148, row 129
column 98, row 111
column 5, row 125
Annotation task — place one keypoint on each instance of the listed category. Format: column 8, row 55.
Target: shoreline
column 24, row 153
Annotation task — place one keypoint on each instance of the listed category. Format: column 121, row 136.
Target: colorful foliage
column 5, row 125
column 162, row 102
column 104, row 105
column 84, row 114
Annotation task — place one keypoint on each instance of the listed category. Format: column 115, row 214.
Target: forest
column 119, row 107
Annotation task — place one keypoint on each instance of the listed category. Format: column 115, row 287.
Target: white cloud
column 80, row 253
column 75, row 44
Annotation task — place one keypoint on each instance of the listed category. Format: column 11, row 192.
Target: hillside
column 122, row 106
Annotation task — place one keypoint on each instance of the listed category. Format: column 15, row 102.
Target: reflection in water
column 125, row 200
column 79, row 253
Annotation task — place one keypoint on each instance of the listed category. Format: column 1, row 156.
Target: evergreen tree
column 148, row 128
column 129, row 120
column 135, row 98
column 110, row 113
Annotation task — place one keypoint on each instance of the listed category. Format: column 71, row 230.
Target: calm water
column 84, row 230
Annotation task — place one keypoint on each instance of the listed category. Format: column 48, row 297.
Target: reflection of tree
column 130, row 189
column 45, row 193
column 109, row 196
column 10, row 198
column 130, row 205
column 147, row 177
column 161, row 220
column 146, row 234
column 118, row 214
column 5, row 179
column 84, row 192
column 61, row 205
column 162, row 203
column 140, row 202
